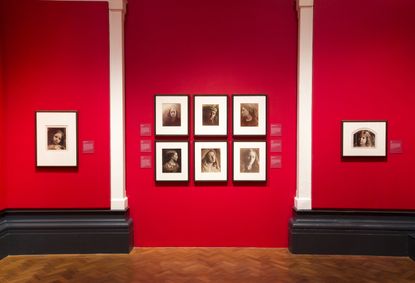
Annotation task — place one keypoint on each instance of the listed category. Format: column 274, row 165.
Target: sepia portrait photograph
column 364, row 138
column 210, row 115
column 171, row 115
column 171, row 161
column 249, row 115
column 249, row 161
column 211, row 161
column 56, row 138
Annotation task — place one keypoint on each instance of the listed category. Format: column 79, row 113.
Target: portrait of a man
column 249, row 114
column 171, row 160
column 210, row 114
column 171, row 114
column 56, row 138
column 249, row 161
column 210, row 160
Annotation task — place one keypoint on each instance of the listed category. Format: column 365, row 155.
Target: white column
column 304, row 103
column 117, row 10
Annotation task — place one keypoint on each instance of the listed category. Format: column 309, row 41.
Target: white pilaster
column 119, row 199
column 304, row 104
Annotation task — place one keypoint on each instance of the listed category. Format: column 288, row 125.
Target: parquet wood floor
column 200, row 265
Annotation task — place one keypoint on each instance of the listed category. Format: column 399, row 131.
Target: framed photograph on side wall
column 211, row 161
column 210, row 115
column 364, row 138
column 171, row 161
column 171, row 114
column 250, row 161
column 249, row 115
column 56, row 138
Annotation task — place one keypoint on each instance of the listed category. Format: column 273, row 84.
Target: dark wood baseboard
column 411, row 242
column 351, row 232
column 64, row 231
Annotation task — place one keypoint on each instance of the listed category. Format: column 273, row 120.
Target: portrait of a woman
column 249, row 160
column 171, row 161
column 210, row 160
column 249, row 114
column 171, row 114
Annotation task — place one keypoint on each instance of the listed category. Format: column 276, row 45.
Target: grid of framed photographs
column 210, row 117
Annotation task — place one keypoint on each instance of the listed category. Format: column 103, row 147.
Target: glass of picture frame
column 211, row 160
column 249, row 115
column 171, row 114
column 171, row 161
column 249, row 161
column 210, row 115
column 56, row 138
column 364, row 138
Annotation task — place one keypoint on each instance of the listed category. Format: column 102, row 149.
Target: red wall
column 2, row 122
column 213, row 47
column 56, row 58
column 363, row 69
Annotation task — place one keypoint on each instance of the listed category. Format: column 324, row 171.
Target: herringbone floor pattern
column 199, row 265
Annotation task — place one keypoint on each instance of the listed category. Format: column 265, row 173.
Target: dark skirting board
column 65, row 232
column 352, row 232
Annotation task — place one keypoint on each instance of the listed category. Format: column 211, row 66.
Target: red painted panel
column 213, row 47
column 2, row 122
column 56, row 58
column 363, row 69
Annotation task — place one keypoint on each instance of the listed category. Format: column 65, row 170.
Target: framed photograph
column 249, row 115
column 211, row 161
column 171, row 114
column 172, row 161
column 250, row 161
column 56, row 138
column 210, row 115
column 364, row 138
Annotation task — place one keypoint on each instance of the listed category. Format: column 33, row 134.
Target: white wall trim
column 117, row 109
column 304, row 104
column 117, row 9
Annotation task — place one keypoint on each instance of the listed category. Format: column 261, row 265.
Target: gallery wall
column 56, row 58
column 2, row 121
column 363, row 70
column 215, row 47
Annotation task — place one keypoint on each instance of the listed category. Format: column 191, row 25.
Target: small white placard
column 145, row 146
column 276, row 146
column 145, row 130
column 276, row 161
column 395, row 146
column 88, row 147
column 276, row 130
column 145, row 162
